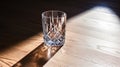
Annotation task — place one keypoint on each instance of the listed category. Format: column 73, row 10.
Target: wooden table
column 92, row 40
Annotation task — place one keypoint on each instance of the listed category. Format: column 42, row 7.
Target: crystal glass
column 54, row 22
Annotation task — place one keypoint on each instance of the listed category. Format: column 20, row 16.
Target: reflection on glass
column 54, row 22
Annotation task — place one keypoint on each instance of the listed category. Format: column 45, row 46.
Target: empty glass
column 54, row 23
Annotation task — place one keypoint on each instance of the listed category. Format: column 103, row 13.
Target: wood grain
column 12, row 55
column 92, row 40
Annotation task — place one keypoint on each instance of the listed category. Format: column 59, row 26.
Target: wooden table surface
column 92, row 40
column 12, row 55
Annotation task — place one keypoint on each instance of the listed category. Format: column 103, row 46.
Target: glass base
column 55, row 42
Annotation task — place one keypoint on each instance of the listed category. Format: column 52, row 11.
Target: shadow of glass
column 38, row 57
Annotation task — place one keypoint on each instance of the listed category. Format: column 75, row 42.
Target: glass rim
column 43, row 13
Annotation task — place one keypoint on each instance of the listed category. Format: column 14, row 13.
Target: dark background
column 20, row 20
